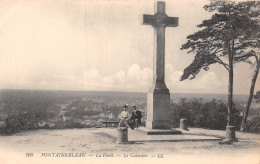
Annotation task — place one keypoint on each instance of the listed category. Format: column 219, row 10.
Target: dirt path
column 95, row 142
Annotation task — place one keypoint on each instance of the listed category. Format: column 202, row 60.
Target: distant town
column 78, row 109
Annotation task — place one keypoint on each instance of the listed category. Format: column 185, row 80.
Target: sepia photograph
column 129, row 81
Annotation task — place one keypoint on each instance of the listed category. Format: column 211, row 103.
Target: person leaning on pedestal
column 136, row 116
column 125, row 118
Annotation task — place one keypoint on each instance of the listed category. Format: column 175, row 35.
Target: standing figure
column 125, row 118
column 136, row 116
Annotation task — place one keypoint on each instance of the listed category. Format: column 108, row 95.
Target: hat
column 134, row 106
column 125, row 106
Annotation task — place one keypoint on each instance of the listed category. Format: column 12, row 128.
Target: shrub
column 211, row 115
column 20, row 121
column 253, row 125
column 73, row 124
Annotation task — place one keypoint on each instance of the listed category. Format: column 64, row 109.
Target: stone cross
column 159, row 21
column 158, row 98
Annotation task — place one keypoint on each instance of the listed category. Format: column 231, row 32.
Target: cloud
column 134, row 79
column 80, row 45
column 138, row 76
column 120, row 76
column 205, row 82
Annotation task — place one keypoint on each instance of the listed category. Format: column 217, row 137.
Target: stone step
column 158, row 131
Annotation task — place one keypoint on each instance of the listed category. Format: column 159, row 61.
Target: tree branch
column 221, row 62
column 243, row 56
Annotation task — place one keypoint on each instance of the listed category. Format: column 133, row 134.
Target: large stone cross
column 158, row 97
column 159, row 21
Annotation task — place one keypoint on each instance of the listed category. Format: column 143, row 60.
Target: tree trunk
column 243, row 124
column 230, row 91
column 230, row 83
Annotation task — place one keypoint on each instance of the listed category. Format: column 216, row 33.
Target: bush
column 20, row 121
column 253, row 125
column 191, row 110
column 215, row 115
column 73, row 124
column 211, row 115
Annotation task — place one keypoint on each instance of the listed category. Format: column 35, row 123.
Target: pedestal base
column 184, row 124
column 148, row 131
column 158, row 106
column 122, row 135
column 231, row 133
column 158, row 124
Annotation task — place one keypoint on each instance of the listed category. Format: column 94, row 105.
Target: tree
column 256, row 64
column 253, row 54
column 257, row 97
column 230, row 36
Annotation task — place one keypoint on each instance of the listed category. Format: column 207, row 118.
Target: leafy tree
column 253, row 13
column 230, row 36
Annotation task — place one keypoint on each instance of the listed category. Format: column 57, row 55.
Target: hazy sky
column 101, row 45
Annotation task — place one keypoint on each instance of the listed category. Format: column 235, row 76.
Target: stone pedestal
column 231, row 133
column 158, row 111
column 122, row 135
column 184, row 124
column 158, row 106
column 158, row 131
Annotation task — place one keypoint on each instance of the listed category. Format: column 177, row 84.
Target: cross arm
column 149, row 19
column 160, row 19
column 172, row 21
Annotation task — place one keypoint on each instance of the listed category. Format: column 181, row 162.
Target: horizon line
column 114, row 91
